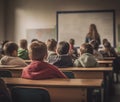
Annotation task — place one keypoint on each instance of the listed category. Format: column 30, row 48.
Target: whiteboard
column 76, row 25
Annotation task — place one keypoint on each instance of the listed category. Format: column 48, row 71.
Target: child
column 108, row 51
column 63, row 59
column 86, row 58
column 96, row 53
column 38, row 69
column 10, row 58
column 73, row 51
column 22, row 51
column 51, row 45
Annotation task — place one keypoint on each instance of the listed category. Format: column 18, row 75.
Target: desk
column 61, row 90
column 27, row 61
column 88, row 73
column 9, row 66
column 106, row 63
column 97, row 73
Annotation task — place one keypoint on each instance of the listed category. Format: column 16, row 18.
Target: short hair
column 9, row 48
column 23, row 43
column 34, row 40
column 72, row 41
column 63, row 47
column 51, row 44
column 37, row 51
column 86, row 48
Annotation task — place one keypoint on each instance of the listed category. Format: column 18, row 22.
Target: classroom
column 62, row 20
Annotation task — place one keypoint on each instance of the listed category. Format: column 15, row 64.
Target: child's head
column 10, row 49
column 23, row 43
column 51, row 44
column 107, row 45
column 86, row 48
column 38, row 51
column 104, row 40
column 63, row 48
column 72, row 41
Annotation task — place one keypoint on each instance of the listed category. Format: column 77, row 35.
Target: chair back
column 5, row 73
column 69, row 74
column 30, row 94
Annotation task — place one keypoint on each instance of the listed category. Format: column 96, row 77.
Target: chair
column 5, row 73
column 30, row 94
column 69, row 74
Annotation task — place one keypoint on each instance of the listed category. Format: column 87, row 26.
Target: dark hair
column 104, row 40
column 93, row 33
column 51, row 44
column 107, row 45
column 86, row 48
column 63, row 47
column 23, row 43
column 72, row 41
column 94, row 44
column 9, row 48
column 37, row 51
column 34, row 40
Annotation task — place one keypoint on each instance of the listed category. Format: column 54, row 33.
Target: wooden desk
column 105, row 63
column 27, row 61
column 61, row 90
column 88, row 73
column 9, row 66
column 104, row 73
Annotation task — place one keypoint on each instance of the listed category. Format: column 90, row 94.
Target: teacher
column 93, row 34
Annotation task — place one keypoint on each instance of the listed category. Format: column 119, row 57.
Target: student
column 86, row 58
column 10, row 58
column 93, row 34
column 4, row 92
column 73, row 50
column 63, row 59
column 96, row 53
column 108, row 51
column 38, row 69
column 23, row 51
column 51, row 46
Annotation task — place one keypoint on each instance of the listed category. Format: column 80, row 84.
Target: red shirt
column 41, row 70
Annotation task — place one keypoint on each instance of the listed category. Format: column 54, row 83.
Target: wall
column 1, row 20
column 27, row 14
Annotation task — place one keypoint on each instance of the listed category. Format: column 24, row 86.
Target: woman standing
column 93, row 34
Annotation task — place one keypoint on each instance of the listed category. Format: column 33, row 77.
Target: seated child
column 51, row 46
column 23, row 51
column 73, row 51
column 86, row 58
column 38, row 68
column 63, row 59
column 108, row 51
column 96, row 53
column 10, row 57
